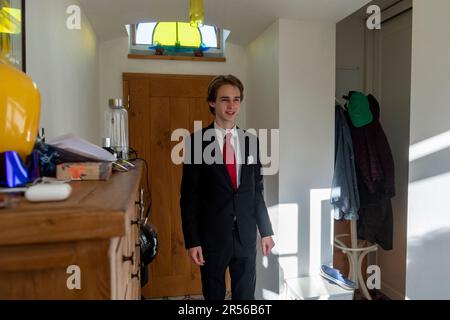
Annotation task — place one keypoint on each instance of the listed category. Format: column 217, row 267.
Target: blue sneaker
column 336, row 277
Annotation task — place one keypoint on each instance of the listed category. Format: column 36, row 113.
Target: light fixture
column 196, row 14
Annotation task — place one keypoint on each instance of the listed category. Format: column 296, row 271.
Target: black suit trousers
column 241, row 262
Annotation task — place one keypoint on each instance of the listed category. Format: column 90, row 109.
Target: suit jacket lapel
column 243, row 150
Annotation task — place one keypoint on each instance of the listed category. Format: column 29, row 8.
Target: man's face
column 228, row 103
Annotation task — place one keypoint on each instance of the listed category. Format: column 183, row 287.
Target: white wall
column 307, row 88
column 263, row 113
column 428, row 260
column 64, row 65
column 292, row 76
column 263, row 93
column 114, row 62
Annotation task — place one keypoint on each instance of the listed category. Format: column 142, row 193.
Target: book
column 81, row 171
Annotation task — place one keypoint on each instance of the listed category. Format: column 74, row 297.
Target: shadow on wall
column 303, row 242
column 316, row 243
column 268, row 273
column 432, row 165
column 428, row 266
column 268, row 268
column 327, row 234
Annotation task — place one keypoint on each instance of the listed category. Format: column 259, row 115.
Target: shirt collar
column 223, row 132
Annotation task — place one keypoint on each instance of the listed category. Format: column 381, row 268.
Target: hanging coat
column 373, row 159
column 344, row 195
column 376, row 180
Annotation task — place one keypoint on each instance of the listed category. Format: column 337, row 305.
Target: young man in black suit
column 222, row 202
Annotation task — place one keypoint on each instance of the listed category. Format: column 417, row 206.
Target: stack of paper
column 79, row 146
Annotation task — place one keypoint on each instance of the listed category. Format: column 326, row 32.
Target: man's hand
column 196, row 255
column 267, row 244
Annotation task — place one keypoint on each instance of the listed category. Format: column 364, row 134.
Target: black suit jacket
column 209, row 203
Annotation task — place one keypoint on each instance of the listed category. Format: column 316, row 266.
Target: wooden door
column 159, row 104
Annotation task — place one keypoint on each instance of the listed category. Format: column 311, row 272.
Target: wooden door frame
column 128, row 77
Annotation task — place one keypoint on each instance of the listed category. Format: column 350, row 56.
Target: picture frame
column 12, row 33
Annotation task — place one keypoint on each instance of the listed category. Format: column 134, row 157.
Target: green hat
column 359, row 110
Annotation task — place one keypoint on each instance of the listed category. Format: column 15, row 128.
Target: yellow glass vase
column 20, row 104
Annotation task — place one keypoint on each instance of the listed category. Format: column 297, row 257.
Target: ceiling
column 246, row 19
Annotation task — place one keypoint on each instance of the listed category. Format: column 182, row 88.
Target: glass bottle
column 116, row 128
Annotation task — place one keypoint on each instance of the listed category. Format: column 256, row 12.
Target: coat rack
column 354, row 253
column 355, row 257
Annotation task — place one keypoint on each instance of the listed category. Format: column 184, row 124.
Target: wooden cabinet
column 95, row 232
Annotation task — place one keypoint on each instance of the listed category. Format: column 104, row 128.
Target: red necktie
column 229, row 158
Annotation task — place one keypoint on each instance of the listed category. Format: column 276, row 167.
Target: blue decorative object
column 13, row 173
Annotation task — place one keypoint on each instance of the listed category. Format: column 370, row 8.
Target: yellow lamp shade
column 196, row 14
column 20, row 104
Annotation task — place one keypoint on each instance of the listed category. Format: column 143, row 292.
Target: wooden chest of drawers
column 92, row 238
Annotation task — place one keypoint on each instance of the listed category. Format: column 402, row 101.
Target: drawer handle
column 136, row 222
column 137, row 245
column 130, row 258
column 135, row 275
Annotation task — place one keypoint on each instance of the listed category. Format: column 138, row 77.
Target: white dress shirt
column 220, row 135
